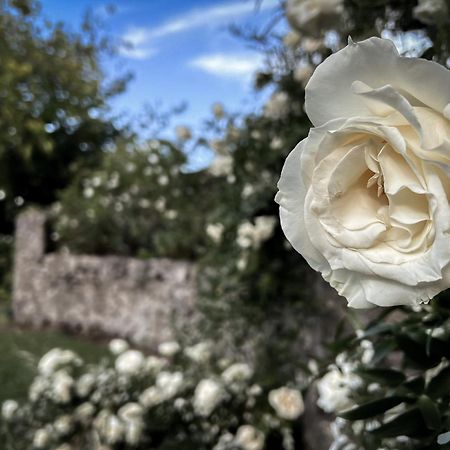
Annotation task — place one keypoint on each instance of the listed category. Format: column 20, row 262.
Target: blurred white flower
column 311, row 45
column 276, row 143
column 133, row 431
column 277, row 107
column 215, row 231
column 130, row 362
column 287, row 403
column 169, row 348
column 242, row 262
column 224, row 442
column 221, row 165
column 38, row 387
column 303, row 73
column 431, row 12
column 169, row 383
column 55, row 359
column 250, row 438
column 113, row 429
column 41, row 438
column 88, row 192
column 9, row 408
column 171, row 214
column 208, row 394
column 292, row 39
column 154, row 364
column 183, row 133
column 61, row 387
column 334, row 390
column 130, row 167
column 130, row 411
column 118, row 346
column 313, row 16
column 255, row 390
column 85, row 384
column 152, row 396
column 368, row 351
column 247, row 191
column 63, row 425
column 84, row 413
column 249, row 235
column 237, row 372
column 200, row 352
column 163, row 180
column 64, row 447
column 160, row 204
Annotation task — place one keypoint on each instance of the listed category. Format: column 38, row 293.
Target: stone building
column 97, row 295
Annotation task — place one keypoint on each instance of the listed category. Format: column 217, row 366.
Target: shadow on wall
column 108, row 295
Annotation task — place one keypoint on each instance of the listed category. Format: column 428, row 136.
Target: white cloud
column 136, row 52
column 139, row 37
column 239, row 66
column 201, row 17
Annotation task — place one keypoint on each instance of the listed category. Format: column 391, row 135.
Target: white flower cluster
column 128, row 399
column 253, row 235
column 336, row 386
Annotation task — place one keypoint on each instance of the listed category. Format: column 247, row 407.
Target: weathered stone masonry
column 110, row 295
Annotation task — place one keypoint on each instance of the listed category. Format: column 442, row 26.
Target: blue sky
column 182, row 51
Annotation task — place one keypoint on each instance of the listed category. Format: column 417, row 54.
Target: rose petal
column 376, row 63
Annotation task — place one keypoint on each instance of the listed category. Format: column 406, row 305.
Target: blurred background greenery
column 110, row 190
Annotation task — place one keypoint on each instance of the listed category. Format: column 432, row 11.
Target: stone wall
column 110, row 295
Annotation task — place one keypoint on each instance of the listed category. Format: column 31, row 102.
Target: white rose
column 313, row 16
column 130, row 362
column 365, row 197
column 287, row 403
column 208, row 394
column 334, row 390
column 431, row 12
column 249, row 438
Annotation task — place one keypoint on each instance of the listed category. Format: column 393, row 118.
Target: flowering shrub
column 387, row 385
column 138, row 202
column 181, row 398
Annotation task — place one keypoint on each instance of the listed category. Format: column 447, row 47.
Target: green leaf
column 415, row 385
column 439, row 385
column 430, row 412
column 372, row 408
column 387, row 377
column 380, row 328
column 416, row 351
column 410, row 423
column 383, row 349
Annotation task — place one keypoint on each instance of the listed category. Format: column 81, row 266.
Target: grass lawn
column 21, row 349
